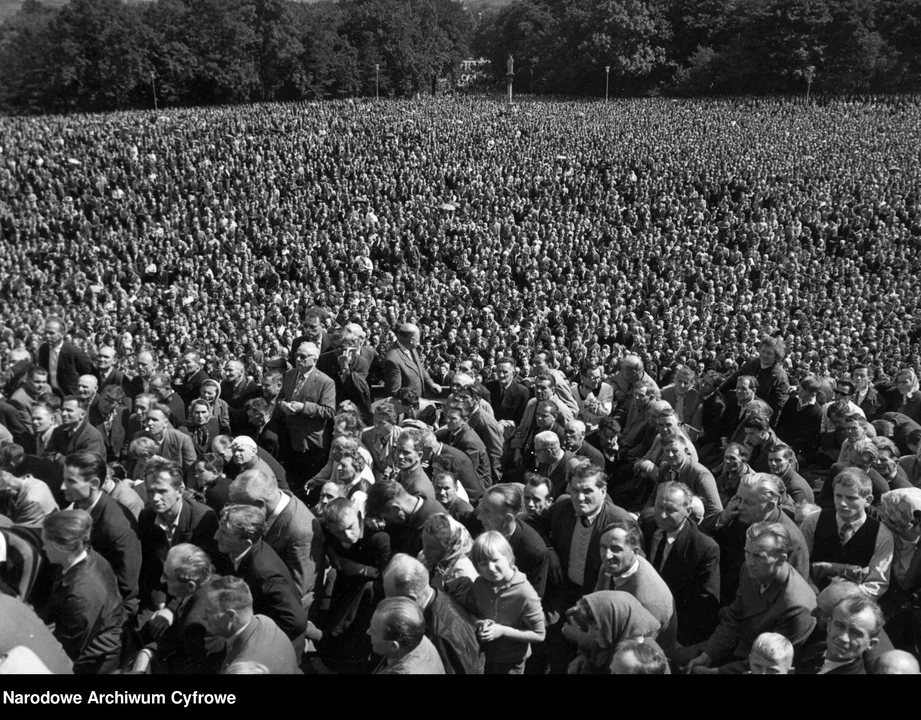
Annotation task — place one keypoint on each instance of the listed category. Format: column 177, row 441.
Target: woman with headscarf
column 446, row 545
column 909, row 394
column 599, row 622
column 211, row 393
column 900, row 510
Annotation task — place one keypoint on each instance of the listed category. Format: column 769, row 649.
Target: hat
column 244, row 441
column 277, row 362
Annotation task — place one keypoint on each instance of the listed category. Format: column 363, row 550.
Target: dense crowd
column 461, row 387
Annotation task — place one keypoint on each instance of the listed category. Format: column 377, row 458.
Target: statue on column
column 511, row 65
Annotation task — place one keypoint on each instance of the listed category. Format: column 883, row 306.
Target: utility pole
column 607, row 81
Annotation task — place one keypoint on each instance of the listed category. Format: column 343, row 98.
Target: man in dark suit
column 574, row 442
column 800, row 421
column 236, row 391
column 459, row 435
column 105, row 371
column 140, row 383
column 110, row 418
column 576, row 523
column 289, row 525
column 181, row 643
column 64, row 361
column 402, row 514
column 865, row 396
column 772, row 597
column 578, row 519
column 757, row 499
column 275, row 595
column 113, row 535
column 188, row 385
column 447, row 624
column 687, row 560
column 160, row 387
column 74, row 434
column 553, row 462
column 507, row 396
column 312, row 331
column 309, row 405
column 266, row 428
column 168, row 520
column 438, row 454
column 403, row 366
column 250, row 638
column 349, row 371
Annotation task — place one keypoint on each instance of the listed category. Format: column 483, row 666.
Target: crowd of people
column 459, row 387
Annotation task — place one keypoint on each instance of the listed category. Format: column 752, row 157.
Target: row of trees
column 707, row 46
column 107, row 54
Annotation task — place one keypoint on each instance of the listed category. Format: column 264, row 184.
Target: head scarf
column 620, row 616
column 453, row 539
column 899, row 509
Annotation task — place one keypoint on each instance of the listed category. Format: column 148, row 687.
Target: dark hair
column 756, row 422
column 89, row 464
column 11, row 457
column 403, row 622
column 408, row 397
column 584, row 469
column 380, row 494
column 609, row 423
column 534, row 480
column 157, row 465
column 81, row 403
column 212, row 462
column 69, row 529
column 634, row 536
column 231, row 593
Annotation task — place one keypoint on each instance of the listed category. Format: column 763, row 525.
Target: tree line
column 108, row 54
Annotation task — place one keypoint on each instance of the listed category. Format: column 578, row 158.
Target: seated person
column 845, row 542
column 853, row 630
column 772, row 597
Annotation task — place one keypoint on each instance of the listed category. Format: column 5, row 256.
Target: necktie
column 300, row 383
column 846, row 533
column 660, row 552
column 586, row 523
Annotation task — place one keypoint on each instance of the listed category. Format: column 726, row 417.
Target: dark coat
column 275, row 593
column 88, row 615
column 403, row 369
column 563, row 522
column 452, row 632
column 692, row 573
column 511, row 404
column 189, row 388
column 72, row 363
column 117, row 439
column 85, row 438
column 197, row 525
column 114, row 537
column 187, row 647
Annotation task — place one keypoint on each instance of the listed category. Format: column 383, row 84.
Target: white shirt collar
column 619, row 580
column 77, row 560
column 282, row 504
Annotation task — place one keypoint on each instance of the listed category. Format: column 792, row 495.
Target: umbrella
column 448, row 206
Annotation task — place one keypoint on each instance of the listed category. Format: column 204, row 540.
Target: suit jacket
column 310, row 429
column 701, row 482
column 263, row 642
column 873, row 404
column 785, row 607
column 326, row 344
column 591, row 453
column 417, row 483
column 187, row 647
column 509, row 405
column 563, row 522
column 11, row 417
column 86, row 438
column 731, row 539
column 692, row 416
column 404, row 369
column 117, row 439
column 115, row 377
column 559, row 476
column 176, row 446
column 488, row 430
column 469, row 442
column 189, row 388
column 524, row 430
column 692, row 572
column 274, row 591
column 466, row 475
column 291, row 537
column 134, row 387
column 114, row 537
column 800, row 428
column 355, row 386
column 72, row 363
column 197, row 525
column 88, row 615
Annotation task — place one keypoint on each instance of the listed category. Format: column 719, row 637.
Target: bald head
column 407, row 577
column 897, row 662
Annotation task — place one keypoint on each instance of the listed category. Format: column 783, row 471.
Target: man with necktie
column 403, row 366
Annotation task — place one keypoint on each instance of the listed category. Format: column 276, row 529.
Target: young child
column 771, row 654
column 507, row 608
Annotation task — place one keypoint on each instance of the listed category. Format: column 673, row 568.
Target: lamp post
column 510, row 75
column 607, row 81
column 377, row 81
column 153, row 88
